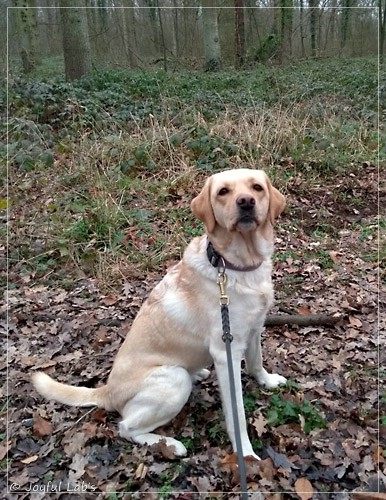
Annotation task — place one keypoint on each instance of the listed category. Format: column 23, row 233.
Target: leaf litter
column 74, row 335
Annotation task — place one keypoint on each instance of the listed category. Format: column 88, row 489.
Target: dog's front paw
column 201, row 375
column 270, row 380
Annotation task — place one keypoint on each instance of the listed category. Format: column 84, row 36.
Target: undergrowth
column 113, row 159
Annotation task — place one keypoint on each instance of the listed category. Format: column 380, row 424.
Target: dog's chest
column 249, row 304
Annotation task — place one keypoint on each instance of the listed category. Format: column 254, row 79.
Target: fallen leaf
column 355, row 322
column 165, row 450
column 304, row 488
column 266, row 469
column 141, row 471
column 29, row 460
column 77, row 466
column 42, row 427
column 90, row 429
column 109, row 300
column 259, row 424
column 279, row 459
column 334, row 256
column 304, row 310
column 99, row 415
column 4, row 449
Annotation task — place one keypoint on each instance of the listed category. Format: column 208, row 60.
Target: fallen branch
column 301, row 319
column 271, row 320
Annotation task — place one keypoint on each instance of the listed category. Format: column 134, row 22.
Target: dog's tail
column 68, row 394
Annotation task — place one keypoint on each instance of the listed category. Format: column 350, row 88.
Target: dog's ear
column 202, row 207
column 277, row 202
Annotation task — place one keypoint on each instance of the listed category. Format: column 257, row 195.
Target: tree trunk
column 346, row 19
column 76, row 44
column 303, row 51
column 129, row 35
column 211, row 36
column 286, row 7
column 382, row 30
column 239, row 34
column 313, row 24
column 176, row 40
column 27, row 27
column 162, row 36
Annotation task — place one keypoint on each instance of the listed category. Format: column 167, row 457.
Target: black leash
column 227, row 339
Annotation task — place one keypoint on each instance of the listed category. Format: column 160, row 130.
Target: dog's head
column 238, row 200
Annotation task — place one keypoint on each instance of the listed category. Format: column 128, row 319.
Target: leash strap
column 227, row 339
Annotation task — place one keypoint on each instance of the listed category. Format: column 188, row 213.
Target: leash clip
column 222, row 281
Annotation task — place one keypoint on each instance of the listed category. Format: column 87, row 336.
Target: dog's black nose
column 246, row 202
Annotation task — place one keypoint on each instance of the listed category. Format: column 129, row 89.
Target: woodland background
column 111, row 119
column 178, row 34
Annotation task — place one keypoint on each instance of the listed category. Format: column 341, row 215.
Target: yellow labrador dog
column 178, row 332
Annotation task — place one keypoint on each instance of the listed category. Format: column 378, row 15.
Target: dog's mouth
column 247, row 221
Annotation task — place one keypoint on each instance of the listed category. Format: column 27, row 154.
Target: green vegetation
column 116, row 156
column 283, row 411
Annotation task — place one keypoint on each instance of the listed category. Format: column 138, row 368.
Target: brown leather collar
column 218, row 261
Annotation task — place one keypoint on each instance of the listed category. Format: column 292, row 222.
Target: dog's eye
column 257, row 187
column 223, row 191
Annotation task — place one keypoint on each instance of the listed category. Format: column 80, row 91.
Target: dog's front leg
column 254, row 363
column 221, row 366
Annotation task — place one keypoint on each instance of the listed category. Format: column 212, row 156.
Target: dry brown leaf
column 267, row 469
column 229, row 462
column 378, row 455
column 4, row 449
column 304, row 488
column 304, row 310
column 90, row 429
column 259, row 424
column 109, row 300
column 355, row 322
column 30, row 460
column 334, row 256
column 141, row 471
column 42, row 427
column 166, row 451
column 99, row 415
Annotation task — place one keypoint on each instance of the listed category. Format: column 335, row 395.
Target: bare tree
column 27, row 27
column 211, row 36
column 313, row 24
column 76, row 44
column 382, row 28
column 239, row 34
column 346, row 20
column 303, row 50
column 286, row 7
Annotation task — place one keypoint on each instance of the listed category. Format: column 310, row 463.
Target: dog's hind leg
column 162, row 395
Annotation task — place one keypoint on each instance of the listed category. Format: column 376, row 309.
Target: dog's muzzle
column 247, row 210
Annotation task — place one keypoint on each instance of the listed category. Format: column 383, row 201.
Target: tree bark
column 301, row 320
column 76, row 44
column 303, row 51
column 163, row 42
column 382, row 29
column 286, row 7
column 271, row 319
column 27, row 27
column 346, row 20
column 313, row 21
column 127, row 15
column 211, row 36
column 239, row 34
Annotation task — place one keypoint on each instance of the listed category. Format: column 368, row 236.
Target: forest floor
column 102, row 172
